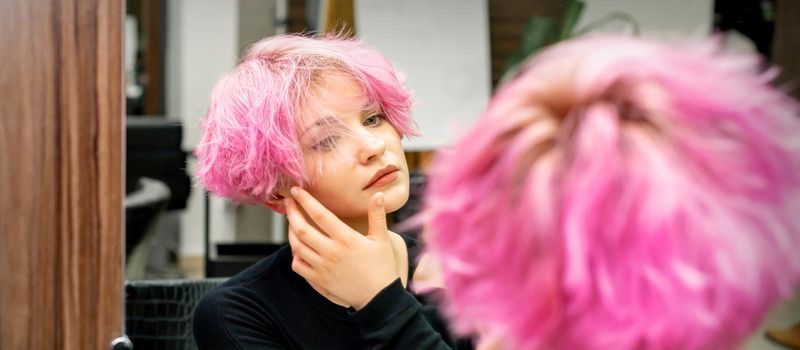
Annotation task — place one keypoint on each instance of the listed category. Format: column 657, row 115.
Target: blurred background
column 76, row 74
column 454, row 53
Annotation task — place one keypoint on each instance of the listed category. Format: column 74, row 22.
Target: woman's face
column 351, row 151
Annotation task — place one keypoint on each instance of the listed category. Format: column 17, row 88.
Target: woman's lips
column 384, row 180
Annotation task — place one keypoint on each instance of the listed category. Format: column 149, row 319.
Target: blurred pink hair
column 250, row 145
column 622, row 194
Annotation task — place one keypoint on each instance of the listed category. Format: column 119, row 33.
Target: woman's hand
column 346, row 264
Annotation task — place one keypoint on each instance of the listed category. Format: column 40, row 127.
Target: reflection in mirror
column 174, row 53
column 176, row 50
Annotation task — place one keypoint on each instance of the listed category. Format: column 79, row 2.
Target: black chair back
column 158, row 313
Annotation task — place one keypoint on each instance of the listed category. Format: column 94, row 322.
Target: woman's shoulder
column 413, row 246
column 228, row 316
column 249, row 284
column 245, row 296
column 265, row 266
column 424, row 269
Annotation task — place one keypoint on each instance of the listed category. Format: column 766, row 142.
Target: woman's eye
column 326, row 144
column 373, row 120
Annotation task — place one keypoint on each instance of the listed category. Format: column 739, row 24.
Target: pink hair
column 622, row 194
column 250, row 145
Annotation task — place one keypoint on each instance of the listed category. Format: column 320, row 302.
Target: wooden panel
column 61, row 174
column 150, row 21
column 340, row 17
column 507, row 20
column 297, row 16
column 418, row 160
column 785, row 51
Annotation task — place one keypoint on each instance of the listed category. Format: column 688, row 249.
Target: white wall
column 256, row 20
column 443, row 47
column 656, row 18
column 201, row 47
column 204, row 40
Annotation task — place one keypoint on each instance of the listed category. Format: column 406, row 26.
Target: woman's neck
column 361, row 224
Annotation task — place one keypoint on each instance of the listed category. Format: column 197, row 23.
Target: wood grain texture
column 507, row 21
column 296, row 18
column 61, row 192
column 785, row 50
column 151, row 22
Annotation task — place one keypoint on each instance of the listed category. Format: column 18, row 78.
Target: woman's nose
column 371, row 148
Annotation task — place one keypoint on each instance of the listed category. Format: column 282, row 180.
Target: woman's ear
column 275, row 203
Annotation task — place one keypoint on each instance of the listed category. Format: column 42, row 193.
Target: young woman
column 312, row 128
column 621, row 194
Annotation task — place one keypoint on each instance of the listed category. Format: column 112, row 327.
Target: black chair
column 153, row 150
column 143, row 207
column 153, row 154
column 158, row 313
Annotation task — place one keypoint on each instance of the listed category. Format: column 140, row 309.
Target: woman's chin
column 394, row 200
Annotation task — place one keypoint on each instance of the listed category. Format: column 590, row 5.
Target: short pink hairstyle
column 622, row 194
column 250, row 145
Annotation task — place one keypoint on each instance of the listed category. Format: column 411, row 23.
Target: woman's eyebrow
column 327, row 120
column 366, row 109
column 370, row 105
column 370, row 108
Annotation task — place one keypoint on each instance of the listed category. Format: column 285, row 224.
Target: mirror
column 454, row 53
column 176, row 50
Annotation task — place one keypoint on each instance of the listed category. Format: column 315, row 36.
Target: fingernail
column 379, row 201
column 294, row 191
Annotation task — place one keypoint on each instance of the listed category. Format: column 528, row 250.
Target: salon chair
column 153, row 149
column 143, row 207
column 158, row 313
column 153, row 152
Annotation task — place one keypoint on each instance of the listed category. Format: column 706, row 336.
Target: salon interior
column 106, row 239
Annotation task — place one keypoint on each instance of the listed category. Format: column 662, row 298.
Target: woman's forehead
column 338, row 90
column 336, row 97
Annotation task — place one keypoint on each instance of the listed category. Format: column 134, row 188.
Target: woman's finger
column 301, row 250
column 305, row 231
column 303, row 268
column 320, row 215
column 377, row 218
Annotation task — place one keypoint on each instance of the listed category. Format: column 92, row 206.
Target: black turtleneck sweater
column 269, row 306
